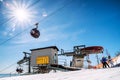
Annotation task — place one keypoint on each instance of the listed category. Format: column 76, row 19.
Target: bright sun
column 21, row 14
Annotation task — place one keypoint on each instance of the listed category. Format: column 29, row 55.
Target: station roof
column 54, row 47
column 92, row 50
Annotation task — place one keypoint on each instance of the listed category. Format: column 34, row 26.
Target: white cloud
column 13, row 27
column 11, row 34
column 4, row 33
column 44, row 14
column 48, row 34
column 27, row 38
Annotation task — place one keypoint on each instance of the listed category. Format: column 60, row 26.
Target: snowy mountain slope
column 84, row 74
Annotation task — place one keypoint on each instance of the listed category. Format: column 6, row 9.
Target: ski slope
column 84, row 74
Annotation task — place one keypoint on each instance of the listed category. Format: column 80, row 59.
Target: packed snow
column 84, row 74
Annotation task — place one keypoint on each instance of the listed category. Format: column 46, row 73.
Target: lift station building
column 43, row 57
column 42, row 60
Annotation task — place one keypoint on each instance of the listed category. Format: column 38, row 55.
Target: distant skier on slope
column 104, row 62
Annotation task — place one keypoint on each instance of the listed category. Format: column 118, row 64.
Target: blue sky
column 88, row 22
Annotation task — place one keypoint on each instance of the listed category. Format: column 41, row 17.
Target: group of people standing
column 105, row 62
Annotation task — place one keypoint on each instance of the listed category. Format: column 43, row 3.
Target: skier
column 104, row 62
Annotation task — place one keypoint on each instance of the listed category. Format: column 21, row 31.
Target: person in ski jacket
column 104, row 62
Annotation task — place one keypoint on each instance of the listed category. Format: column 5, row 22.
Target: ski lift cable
column 36, row 2
column 6, row 21
column 13, row 36
column 10, row 74
column 38, row 22
column 8, row 67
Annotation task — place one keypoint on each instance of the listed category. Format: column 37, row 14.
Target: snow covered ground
column 84, row 74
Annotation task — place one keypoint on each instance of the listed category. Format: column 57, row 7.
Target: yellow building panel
column 42, row 60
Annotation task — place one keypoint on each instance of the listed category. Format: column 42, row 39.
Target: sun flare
column 21, row 14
